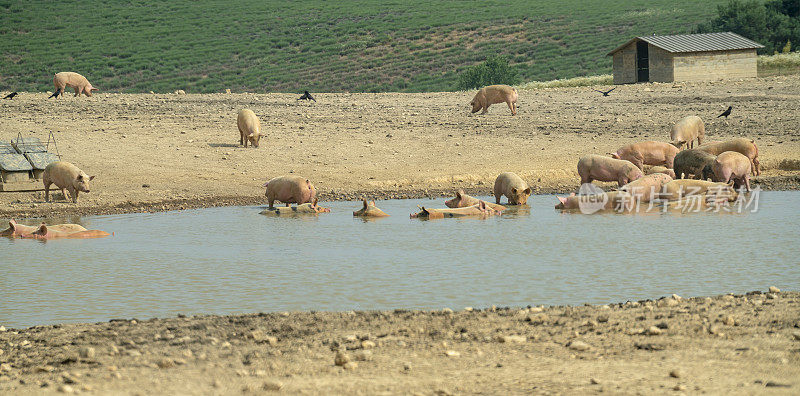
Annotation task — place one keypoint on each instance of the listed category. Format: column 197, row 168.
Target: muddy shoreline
column 729, row 344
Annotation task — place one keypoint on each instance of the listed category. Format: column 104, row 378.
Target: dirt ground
column 725, row 345
column 160, row 152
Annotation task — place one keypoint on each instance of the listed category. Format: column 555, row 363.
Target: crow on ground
column 306, row 96
column 726, row 113
column 605, row 93
column 11, row 95
column 56, row 93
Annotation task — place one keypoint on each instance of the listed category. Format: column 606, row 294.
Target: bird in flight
column 11, row 95
column 726, row 113
column 306, row 96
column 605, row 93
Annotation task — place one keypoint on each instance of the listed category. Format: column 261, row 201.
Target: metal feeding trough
column 22, row 162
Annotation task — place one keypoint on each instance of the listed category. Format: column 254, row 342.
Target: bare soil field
column 725, row 345
column 160, row 152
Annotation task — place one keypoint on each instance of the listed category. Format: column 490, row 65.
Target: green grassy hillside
column 341, row 45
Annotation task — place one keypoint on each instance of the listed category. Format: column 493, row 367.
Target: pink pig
column 647, row 153
column 290, row 189
column 597, row 167
column 731, row 165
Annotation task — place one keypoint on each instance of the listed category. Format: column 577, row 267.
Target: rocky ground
column 724, row 345
column 162, row 152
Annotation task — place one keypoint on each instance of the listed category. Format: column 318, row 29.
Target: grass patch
column 779, row 64
column 605, row 79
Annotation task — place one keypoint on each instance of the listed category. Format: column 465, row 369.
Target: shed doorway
column 642, row 62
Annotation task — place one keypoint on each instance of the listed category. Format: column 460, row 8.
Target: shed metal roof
column 724, row 41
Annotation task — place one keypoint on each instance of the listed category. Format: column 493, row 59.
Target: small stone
column 87, row 352
column 773, row 289
column 165, row 363
column 602, row 318
column 367, row 344
column 796, row 335
column 447, row 310
column 729, row 320
column 363, row 355
column 45, row 369
column 679, row 387
column 676, row 297
column 653, row 331
column 341, row 358
column 133, row 353
column 5, row 367
column 508, row 339
column 272, row 386
column 350, row 366
column 594, row 381
column 675, row 373
column 66, row 389
column 260, row 373
column 452, row 353
column 407, row 366
column 2, row 329
column 468, row 309
column 579, row 345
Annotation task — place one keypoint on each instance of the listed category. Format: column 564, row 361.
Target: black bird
column 56, row 93
column 11, row 95
column 306, row 96
column 726, row 113
column 605, row 93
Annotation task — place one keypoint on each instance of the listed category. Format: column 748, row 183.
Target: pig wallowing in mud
column 462, row 200
column 478, row 210
column 306, row 208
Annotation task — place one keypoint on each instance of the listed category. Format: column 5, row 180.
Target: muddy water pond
column 233, row 260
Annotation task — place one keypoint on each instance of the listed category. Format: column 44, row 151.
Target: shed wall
column 624, row 65
column 715, row 65
column 660, row 64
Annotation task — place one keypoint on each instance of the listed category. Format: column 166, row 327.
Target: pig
column 369, row 210
column 744, row 146
column 462, row 200
column 677, row 189
column 15, row 229
column 45, row 232
column 479, row 210
column 612, row 200
column 597, row 167
column 693, row 163
column 495, row 94
column 66, row 177
column 660, row 169
column 305, row 208
column 74, row 80
column 732, row 166
column 648, row 187
column 647, row 153
column 686, row 131
column 249, row 127
column 513, row 187
column 290, row 189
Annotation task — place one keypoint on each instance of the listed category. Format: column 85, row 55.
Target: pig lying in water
column 72, row 231
column 648, row 187
column 17, row 230
column 306, row 208
column 462, row 200
column 478, row 210
column 612, row 200
column 679, row 188
column 370, row 210
column 660, row 169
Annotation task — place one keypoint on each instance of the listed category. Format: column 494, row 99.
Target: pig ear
column 91, row 178
column 372, row 203
column 482, row 205
column 563, row 200
column 315, row 202
column 42, row 229
column 527, row 191
column 365, row 202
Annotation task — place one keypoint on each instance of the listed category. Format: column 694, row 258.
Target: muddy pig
column 648, row 187
column 66, row 177
column 677, row 189
column 370, row 210
column 647, row 153
column 597, row 167
column 734, row 166
column 693, row 163
column 462, row 200
column 249, row 127
column 513, row 187
column 495, row 94
column 744, row 146
column 290, row 189
column 612, row 200
column 686, row 131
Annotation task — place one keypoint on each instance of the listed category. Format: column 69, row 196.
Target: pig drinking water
column 513, row 187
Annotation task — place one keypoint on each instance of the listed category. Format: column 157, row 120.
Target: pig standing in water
column 744, row 146
column 495, row 94
column 369, row 210
column 731, row 165
column 249, row 128
column 686, row 131
column 597, row 167
column 462, row 200
column 647, row 153
column 66, row 177
column 290, row 189
column 648, row 187
column 513, row 187
column 74, row 80
column 479, row 210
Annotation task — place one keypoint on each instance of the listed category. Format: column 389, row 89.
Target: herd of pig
column 674, row 170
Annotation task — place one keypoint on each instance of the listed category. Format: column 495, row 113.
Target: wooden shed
column 685, row 57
